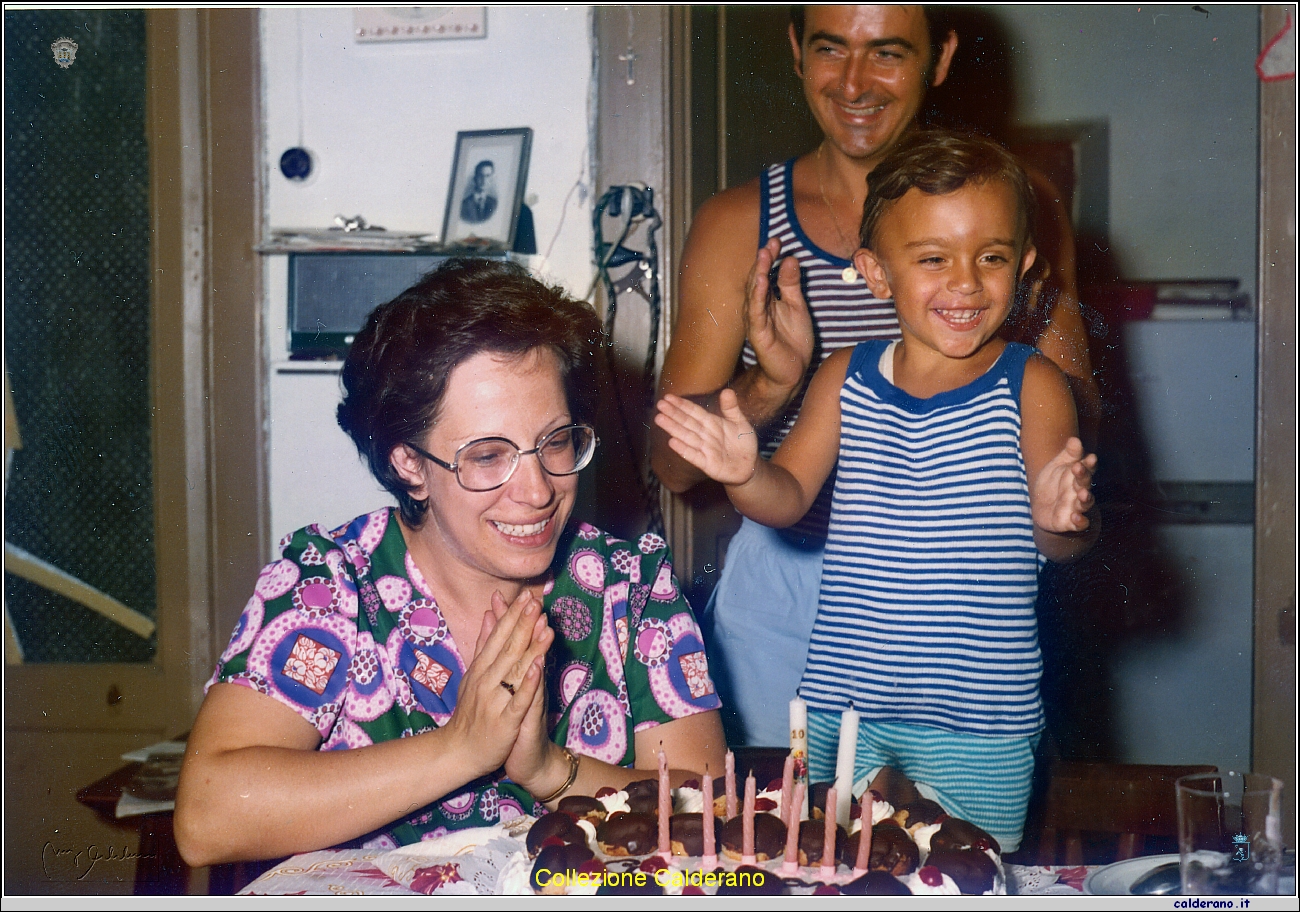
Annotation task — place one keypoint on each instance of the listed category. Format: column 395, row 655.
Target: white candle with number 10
column 799, row 750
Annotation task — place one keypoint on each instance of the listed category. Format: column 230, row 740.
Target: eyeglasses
column 487, row 464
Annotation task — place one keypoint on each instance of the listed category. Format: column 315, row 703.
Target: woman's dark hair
column 397, row 371
column 938, row 162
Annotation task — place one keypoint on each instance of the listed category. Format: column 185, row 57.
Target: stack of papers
column 153, row 788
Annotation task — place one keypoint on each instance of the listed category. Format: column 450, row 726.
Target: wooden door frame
column 643, row 133
column 641, row 137
column 208, row 293
column 1274, row 723
column 204, row 123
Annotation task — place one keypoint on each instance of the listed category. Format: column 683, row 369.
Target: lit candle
column 864, row 836
column 747, row 822
column 665, row 807
column 791, row 865
column 710, row 859
column 844, row 767
column 828, row 845
column 787, row 789
column 731, row 785
column 799, row 750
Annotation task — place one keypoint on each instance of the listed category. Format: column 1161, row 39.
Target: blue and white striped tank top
column 843, row 314
column 930, row 571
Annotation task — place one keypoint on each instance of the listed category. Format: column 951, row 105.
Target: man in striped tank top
column 865, row 70
column 959, row 470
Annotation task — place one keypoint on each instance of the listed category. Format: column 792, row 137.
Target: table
column 159, row 870
column 488, row 861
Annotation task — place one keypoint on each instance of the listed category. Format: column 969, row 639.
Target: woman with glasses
column 471, row 655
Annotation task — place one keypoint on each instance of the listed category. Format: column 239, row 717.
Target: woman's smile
column 519, row 532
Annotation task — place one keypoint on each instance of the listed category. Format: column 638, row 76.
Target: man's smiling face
column 864, row 73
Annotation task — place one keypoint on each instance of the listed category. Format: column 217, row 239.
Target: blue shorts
column 984, row 780
column 757, row 626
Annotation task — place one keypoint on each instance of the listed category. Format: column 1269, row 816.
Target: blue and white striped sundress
column 930, row 574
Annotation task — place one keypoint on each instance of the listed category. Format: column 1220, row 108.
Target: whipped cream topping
column 921, row 836
column 615, row 802
column 688, row 801
column 775, row 796
column 880, row 810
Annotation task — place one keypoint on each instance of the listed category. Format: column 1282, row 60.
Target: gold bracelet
column 574, row 759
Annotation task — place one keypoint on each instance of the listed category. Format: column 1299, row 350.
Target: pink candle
column 787, row 789
column 864, row 837
column 731, row 785
column 710, row 847
column 665, row 806
column 828, row 846
column 791, row 865
column 747, row 822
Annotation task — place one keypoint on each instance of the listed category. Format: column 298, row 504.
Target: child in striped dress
column 960, row 471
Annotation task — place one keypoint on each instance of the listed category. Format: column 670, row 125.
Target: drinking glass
column 1229, row 833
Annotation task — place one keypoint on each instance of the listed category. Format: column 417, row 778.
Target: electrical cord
column 633, row 205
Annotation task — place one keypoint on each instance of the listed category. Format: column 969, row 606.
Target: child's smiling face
column 951, row 263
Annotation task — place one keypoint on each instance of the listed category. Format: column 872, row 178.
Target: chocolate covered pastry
column 583, row 807
column 922, row 812
column 686, row 833
column 559, row 826
column 892, row 850
column 628, row 834
column 962, row 834
column 643, row 797
column 769, row 837
column 551, row 870
column 812, row 841
column 972, row 870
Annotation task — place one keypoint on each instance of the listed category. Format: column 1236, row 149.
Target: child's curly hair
column 938, row 162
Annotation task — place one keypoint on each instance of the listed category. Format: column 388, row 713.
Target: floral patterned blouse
column 344, row 631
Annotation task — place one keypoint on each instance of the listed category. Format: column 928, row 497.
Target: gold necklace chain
column 849, row 274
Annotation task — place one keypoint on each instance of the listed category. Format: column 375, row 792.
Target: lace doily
column 464, row 862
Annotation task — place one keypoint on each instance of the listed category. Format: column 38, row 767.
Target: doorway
column 168, row 244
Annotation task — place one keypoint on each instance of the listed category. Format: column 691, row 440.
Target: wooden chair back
column 1131, row 800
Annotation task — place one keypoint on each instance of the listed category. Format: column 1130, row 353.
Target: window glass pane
column 79, row 493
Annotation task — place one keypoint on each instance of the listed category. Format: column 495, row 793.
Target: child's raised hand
column 724, row 447
column 1061, row 494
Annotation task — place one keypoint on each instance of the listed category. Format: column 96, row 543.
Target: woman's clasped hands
column 500, row 714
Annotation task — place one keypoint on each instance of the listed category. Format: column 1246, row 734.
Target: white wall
column 1179, row 90
column 381, row 120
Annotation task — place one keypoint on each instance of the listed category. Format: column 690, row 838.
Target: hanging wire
column 633, row 205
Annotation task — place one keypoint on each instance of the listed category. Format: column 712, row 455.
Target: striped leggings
column 984, row 780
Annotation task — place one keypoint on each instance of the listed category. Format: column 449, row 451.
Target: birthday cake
column 610, row 844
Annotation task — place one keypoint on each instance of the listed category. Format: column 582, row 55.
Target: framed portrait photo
column 487, row 188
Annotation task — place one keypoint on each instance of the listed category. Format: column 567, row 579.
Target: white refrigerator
column 1183, row 693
